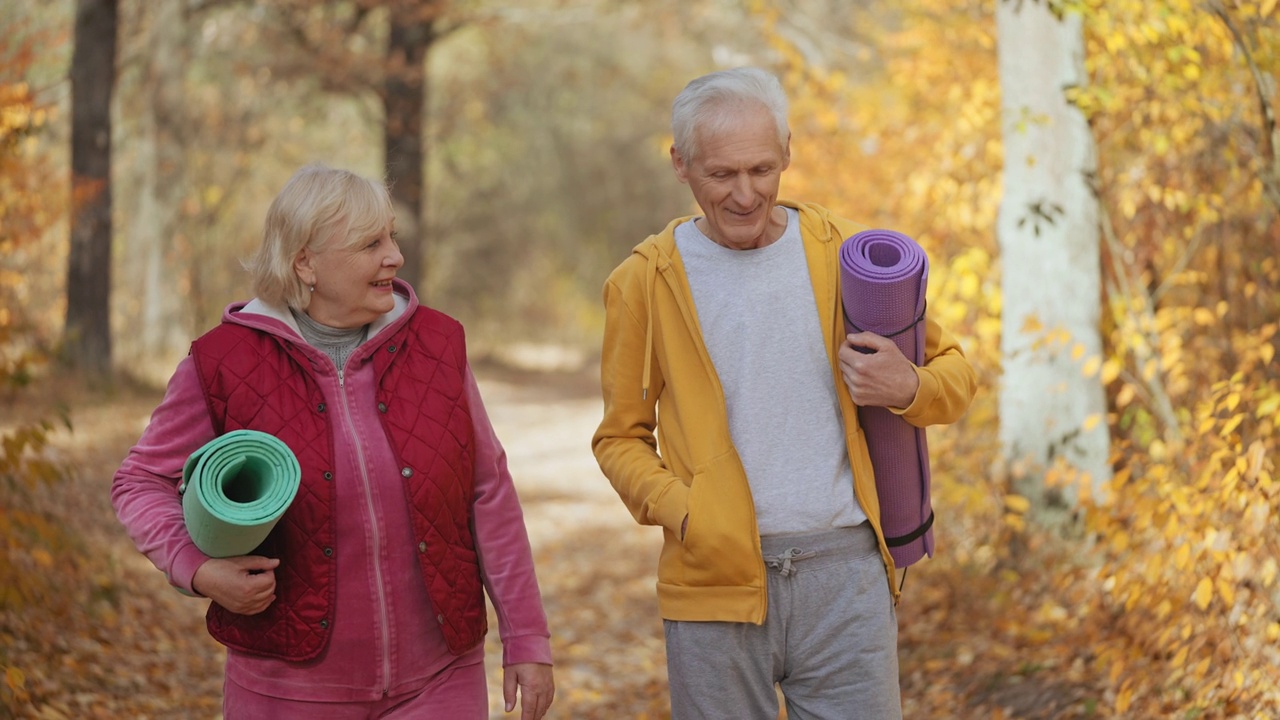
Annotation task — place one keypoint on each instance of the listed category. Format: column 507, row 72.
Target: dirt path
column 595, row 564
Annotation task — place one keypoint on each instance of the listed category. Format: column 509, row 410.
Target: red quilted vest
column 255, row 380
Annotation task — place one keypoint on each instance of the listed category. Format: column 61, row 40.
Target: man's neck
column 777, row 225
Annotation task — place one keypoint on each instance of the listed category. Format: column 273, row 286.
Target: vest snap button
column 324, row 623
column 422, row 546
column 320, row 407
column 440, row 619
column 328, row 475
column 407, row 472
column 382, row 407
column 328, row 552
column 391, row 348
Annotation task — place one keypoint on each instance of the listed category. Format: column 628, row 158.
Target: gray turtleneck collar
column 337, row 343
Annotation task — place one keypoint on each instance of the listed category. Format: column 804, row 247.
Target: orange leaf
column 14, row 678
column 1123, row 699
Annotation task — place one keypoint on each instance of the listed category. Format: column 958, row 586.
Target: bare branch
column 1270, row 174
column 1157, row 398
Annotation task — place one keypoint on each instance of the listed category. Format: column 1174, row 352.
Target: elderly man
column 774, row 569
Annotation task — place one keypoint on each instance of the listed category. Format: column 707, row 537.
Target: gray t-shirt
column 760, row 325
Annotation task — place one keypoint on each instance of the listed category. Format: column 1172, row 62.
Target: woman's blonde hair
column 319, row 206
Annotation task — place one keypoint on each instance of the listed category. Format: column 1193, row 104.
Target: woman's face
column 352, row 281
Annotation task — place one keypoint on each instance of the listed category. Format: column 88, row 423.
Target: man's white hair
column 712, row 102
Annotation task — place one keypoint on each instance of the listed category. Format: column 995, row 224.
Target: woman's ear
column 304, row 266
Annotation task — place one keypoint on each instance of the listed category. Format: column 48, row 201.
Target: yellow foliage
column 1203, row 593
column 1017, row 503
column 1193, row 290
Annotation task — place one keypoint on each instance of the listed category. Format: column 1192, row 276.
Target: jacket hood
column 277, row 320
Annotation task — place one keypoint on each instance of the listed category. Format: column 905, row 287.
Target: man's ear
column 304, row 266
column 786, row 152
column 678, row 164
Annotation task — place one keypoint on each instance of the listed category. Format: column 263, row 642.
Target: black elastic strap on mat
column 901, row 540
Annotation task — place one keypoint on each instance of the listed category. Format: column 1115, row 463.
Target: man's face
column 735, row 178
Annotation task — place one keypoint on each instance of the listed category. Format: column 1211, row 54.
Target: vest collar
column 278, row 321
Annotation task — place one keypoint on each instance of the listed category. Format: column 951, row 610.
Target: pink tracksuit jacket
column 386, row 640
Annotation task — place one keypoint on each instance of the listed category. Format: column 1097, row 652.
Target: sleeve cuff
column 672, row 507
column 183, row 570
column 526, row 649
column 925, row 395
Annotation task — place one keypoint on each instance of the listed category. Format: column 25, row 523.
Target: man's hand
column 245, row 585
column 536, row 686
column 876, row 372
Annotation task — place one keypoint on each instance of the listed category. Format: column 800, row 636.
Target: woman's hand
column 245, row 585
column 537, row 688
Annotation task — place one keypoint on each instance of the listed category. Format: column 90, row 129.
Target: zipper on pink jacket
column 383, row 616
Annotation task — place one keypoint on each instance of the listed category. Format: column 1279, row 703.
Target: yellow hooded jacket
column 657, row 376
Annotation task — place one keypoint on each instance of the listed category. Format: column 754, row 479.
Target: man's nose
column 742, row 190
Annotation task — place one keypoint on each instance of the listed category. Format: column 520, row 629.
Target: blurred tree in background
column 1047, row 229
column 87, row 344
column 413, row 27
column 546, row 152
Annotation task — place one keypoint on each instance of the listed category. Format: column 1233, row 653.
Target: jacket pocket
column 721, row 545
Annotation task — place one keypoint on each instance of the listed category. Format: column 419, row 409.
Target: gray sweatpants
column 830, row 640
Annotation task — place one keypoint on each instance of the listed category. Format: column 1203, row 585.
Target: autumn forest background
column 1096, row 182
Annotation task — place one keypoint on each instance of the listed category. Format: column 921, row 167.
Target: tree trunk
column 88, row 323
column 158, row 299
column 404, row 100
column 1049, row 243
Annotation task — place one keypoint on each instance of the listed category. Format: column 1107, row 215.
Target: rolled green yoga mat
column 235, row 488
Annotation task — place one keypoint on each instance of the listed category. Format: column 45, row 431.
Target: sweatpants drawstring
column 782, row 563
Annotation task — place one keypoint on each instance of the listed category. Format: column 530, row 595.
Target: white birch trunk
column 1049, row 244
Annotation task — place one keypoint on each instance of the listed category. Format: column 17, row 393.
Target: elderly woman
column 367, row 599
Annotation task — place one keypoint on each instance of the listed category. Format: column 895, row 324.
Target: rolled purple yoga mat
column 883, row 275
